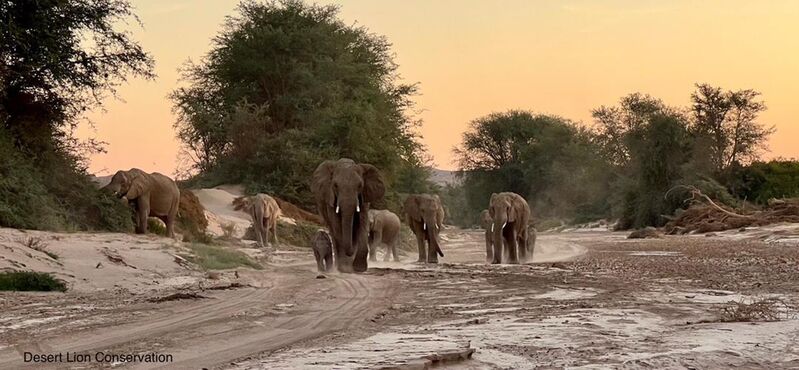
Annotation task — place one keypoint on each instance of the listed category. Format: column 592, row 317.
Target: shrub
column 215, row 257
column 156, row 226
column 29, row 281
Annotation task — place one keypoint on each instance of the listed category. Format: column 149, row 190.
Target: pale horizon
column 472, row 58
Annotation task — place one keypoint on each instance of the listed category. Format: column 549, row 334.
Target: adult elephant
column 425, row 216
column 152, row 195
column 264, row 212
column 486, row 223
column 510, row 214
column 384, row 227
column 343, row 190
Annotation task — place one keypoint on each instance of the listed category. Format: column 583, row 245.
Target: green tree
column 58, row 58
column 726, row 123
column 548, row 160
column 287, row 85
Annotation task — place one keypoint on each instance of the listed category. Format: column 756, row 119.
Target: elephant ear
column 491, row 204
column 515, row 208
column 373, row 187
column 411, row 208
column 322, row 183
column 139, row 185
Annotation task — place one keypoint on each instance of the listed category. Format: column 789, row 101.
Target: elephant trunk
column 350, row 213
column 431, row 229
column 497, row 230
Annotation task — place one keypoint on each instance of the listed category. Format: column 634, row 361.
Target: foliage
column 761, row 181
column 658, row 149
column 215, row 257
column 548, row 160
column 58, row 58
column 298, row 234
column 285, row 86
column 54, row 196
column 726, row 123
column 29, row 281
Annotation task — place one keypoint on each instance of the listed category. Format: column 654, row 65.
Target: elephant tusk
column 503, row 225
column 358, row 208
column 424, row 225
column 492, row 228
column 337, row 209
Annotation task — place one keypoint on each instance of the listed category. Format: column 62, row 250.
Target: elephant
column 264, row 212
column 425, row 216
column 322, row 247
column 511, row 215
column 486, row 222
column 151, row 194
column 343, row 191
column 384, row 227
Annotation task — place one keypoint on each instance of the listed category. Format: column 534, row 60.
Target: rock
column 645, row 233
column 321, row 276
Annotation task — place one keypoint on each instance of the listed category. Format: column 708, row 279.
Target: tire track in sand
column 207, row 333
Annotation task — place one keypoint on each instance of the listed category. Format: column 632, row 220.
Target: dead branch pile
column 704, row 215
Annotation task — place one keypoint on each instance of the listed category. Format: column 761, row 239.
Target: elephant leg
column 421, row 246
column 170, row 225
column 274, row 231
column 143, row 213
column 489, row 247
column 389, row 250
column 329, row 261
column 377, row 239
column 359, row 264
column 318, row 257
column 394, row 249
column 265, row 225
column 259, row 232
column 497, row 255
column 432, row 255
column 512, row 245
column 521, row 247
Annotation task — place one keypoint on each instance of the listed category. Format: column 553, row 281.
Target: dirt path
column 590, row 299
column 231, row 324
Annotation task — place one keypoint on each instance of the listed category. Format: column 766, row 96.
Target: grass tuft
column 215, row 257
column 30, row 281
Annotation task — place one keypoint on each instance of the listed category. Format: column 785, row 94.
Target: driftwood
column 705, row 215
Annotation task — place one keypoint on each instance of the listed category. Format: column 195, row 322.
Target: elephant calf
column 151, row 194
column 322, row 247
column 384, row 227
column 264, row 212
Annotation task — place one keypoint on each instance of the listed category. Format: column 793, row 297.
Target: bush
column 156, row 226
column 298, row 235
column 214, row 257
column 29, row 281
column 191, row 221
column 54, row 195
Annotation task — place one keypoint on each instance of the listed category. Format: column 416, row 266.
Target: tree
column 287, row 85
column 726, row 122
column 58, row 58
column 548, row 160
column 659, row 149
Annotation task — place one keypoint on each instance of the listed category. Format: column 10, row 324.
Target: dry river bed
column 591, row 299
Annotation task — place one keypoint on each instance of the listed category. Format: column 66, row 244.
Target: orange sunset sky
column 473, row 57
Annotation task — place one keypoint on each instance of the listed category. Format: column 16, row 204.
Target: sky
column 471, row 58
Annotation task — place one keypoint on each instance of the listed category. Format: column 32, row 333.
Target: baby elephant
column 384, row 227
column 322, row 250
